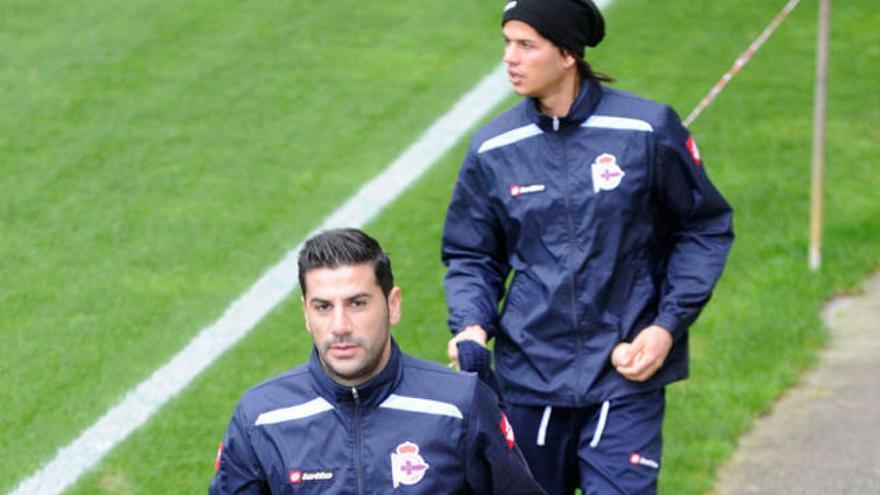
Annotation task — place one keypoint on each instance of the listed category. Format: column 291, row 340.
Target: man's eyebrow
column 359, row 295
column 521, row 39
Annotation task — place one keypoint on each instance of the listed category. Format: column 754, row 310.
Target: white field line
column 245, row 312
column 277, row 283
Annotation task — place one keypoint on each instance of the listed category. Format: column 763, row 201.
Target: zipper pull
column 354, row 394
column 555, row 123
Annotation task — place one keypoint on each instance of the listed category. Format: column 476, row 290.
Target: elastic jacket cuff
column 670, row 323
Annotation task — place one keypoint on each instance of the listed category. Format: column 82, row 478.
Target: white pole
column 819, row 106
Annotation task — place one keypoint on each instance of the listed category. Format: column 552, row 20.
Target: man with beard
column 361, row 416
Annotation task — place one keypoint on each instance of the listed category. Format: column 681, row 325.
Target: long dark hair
column 584, row 70
column 587, row 73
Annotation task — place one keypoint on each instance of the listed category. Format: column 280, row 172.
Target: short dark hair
column 345, row 247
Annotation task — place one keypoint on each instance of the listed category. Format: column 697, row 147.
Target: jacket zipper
column 358, row 447
column 573, row 248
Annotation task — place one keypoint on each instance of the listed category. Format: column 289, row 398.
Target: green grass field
column 155, row 160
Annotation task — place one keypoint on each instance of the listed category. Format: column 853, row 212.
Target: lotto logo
column 296, row 477
column 640, row 460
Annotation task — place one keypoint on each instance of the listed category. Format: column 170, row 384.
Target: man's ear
column 395, row 303
column 568, row 59
column 305, row 313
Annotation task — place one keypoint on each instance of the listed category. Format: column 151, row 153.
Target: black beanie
column 569, row 24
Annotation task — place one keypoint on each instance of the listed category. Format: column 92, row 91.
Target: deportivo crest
column 606, row 173
column 407, row 466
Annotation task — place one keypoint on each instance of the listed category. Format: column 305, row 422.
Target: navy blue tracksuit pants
column 611, row 448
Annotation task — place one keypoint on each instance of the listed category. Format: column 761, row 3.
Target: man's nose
column 340, row 324
column 510, row 54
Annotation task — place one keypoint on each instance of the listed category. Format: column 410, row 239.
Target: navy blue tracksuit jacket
column 415, row 428
column 602, row 223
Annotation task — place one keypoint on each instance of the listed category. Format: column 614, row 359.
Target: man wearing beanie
column 585, row 237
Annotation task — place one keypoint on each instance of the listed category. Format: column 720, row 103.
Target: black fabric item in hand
column 477, row 359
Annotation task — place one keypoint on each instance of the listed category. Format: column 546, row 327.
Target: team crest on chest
column 407, row 466
column 607, row 174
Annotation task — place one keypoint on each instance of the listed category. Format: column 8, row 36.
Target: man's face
column 535, row 66
column 350, row 320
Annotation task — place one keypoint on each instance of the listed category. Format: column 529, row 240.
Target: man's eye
column 358, row 303
column 321, row 306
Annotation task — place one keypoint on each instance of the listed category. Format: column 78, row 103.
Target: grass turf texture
column 154, row 169
column 156, row 159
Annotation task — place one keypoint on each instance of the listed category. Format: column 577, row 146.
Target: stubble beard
column 362, row 373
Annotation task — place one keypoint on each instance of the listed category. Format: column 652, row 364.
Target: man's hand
column 473, row 332
column 642, row 358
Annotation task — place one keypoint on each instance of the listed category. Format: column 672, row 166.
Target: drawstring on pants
column 597, row 435
column 542, row 430
column 600, row 427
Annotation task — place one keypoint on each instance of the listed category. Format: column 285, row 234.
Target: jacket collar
column 583, row 107
column 369, row 394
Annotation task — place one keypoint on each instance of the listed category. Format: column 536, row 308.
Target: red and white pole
column 740, row 62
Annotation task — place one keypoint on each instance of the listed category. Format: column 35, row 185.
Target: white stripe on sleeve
column 310, row 408
column 419, row 405
column 622, row 123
